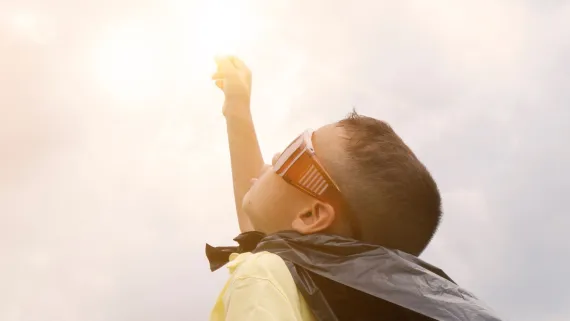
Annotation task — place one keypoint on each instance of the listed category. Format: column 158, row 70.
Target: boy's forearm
column 245, row 154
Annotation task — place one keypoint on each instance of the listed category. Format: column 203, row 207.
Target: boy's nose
column 275, row 158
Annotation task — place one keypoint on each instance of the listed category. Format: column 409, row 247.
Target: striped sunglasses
column 299, row 166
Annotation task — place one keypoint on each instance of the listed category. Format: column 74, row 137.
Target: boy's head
column 384, row 194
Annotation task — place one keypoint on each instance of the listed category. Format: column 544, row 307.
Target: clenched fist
column 233, row 77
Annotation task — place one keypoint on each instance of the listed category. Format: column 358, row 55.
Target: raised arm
column 234, row 78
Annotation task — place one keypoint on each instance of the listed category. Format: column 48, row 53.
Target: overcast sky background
column 114, row 168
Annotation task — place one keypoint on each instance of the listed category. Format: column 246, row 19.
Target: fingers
column 229, row 62
column 228, row 66
column 218, row 76
column 224, row 63
column 225, row 67
column 238, row 63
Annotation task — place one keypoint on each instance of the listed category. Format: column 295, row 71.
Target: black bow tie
column 219, row 256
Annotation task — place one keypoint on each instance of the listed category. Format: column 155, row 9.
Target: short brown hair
column 391, row 192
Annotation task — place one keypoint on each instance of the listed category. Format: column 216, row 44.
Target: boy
column 331, row 229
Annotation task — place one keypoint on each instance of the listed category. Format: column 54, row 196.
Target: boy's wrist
column 236, row 109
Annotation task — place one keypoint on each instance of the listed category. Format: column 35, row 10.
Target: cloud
column 109, row 202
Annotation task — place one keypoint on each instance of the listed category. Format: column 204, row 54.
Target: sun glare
column 128, row 57
column 221, row 27
column 24, row 21
column 30, row 27
column 218, row 27
column 125, row 62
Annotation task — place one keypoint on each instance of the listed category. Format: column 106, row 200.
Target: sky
column 114, row 165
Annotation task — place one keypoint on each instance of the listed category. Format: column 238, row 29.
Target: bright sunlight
column 126, row 62
column 128, row 57
column 32, row 28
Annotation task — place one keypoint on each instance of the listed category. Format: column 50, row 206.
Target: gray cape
column 344, row 279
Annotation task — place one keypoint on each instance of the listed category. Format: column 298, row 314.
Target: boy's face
column 274, row 205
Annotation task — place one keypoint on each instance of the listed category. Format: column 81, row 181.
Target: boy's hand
column 233, row 77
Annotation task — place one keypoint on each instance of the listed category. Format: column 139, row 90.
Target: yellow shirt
column 260, row 288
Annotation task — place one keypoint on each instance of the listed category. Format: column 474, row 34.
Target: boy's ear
column 319, row 217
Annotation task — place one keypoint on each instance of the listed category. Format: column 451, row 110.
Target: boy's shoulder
column 263, row 265
column 264, row 274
